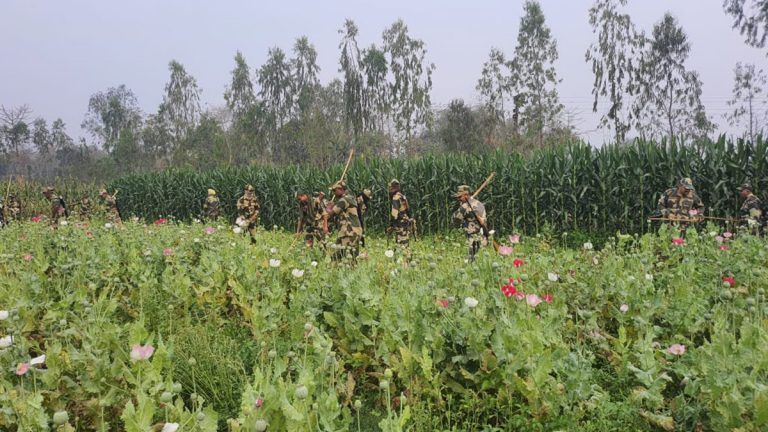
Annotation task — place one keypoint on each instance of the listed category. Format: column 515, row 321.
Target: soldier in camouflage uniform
column 110, row 202
column 400, row 221
column 58, row 206
column 85, row 208
column 362, row 210
column 13, row 208
column 248, row 209
column 313, row 220
column 752, row 213
column 345, row 211
column 211, row 206
column 2, row 213
column 471, row 216
column 681, row 202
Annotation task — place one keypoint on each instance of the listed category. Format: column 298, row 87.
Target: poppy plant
column 37, row 218
column 730, row 280
column 141, row 352
column 514, row 239
column 518, row 262
column 678, row 241
column 161, row 221
column 533, row 300
column 506, row 250
column 22, row 368
column 443, row 303
column 676, row 349
column 724, row 247
column 509, row 290
column 548, row 298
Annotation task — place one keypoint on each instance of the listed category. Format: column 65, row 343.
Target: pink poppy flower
column 141, row 352
column 210, row 230
column 443, row 303
column 161, row 221
column 168, row 252
column 22, row 369
column 727, row 234
column 724, row 247
column 533, row 300
column 505, row 250
column 514, row 239
column 509, row 290
column 518, row 262
column 719, row 239
column 259, row 402
column 28, row 257
column 548, row 298
column 624, row 308
column 37, row 218
column 678, row 241
column 731, row 281
column 676, row 349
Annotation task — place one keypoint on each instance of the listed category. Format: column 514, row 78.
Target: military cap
column 394, row 182
column 368, row 193
column 48, row 189
column 211, row 192
column 686, row 183
column 745, row 186
column 249, row 188
column 103, row 192
column 461, row 190
column 339, row 184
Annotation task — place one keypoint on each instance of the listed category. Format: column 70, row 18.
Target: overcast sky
column 56, row 53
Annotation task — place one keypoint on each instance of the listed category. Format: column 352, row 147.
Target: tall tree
column 239, row 96
column 305, row 69
column 275, row 81
column 669, row 101
column 377, row 103
column 180, row 110
column 535, row 80
column 411, row 81
column 59, row 137
column 750, row 17
column 458, row 128
column 14, row 127
column 494, row 84
column 109, row 114
column 748, row 86
column 354, row 85
column 41, row 136
column 614, row 58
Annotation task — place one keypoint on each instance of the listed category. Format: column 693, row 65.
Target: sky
column 56, row 54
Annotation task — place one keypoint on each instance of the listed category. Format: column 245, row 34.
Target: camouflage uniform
column 85, row 208
column 2, row 213
column 472, row 218
column 248, row 210
column 58, row 206
column 675, row 205
column 350, row 230
column 400, row 220
column 13, row 208
column 752, row 209
column 362, row 210
column 110, row 201
column 211, row 206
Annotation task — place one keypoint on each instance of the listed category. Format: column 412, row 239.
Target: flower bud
column 383, row 384
column 176, row 387
column 260, row 425
column 358, row 404
column 272, row 354
column 60, row 418
column 301, row 392
column 166, row 397
column 200, row 416
column 192, row 361
column 308, row 327
column 388, row 373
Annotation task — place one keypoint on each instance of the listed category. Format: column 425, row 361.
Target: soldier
column 2, row 213
column 248, row 211
column 752, row 209
column 400, row 221
column 13, row 208
column 211, row 206
column 110, row 201
column 362, row 209
column 350, row 231
column 58, row 206
column 471, row 216
column 681, row 202
column 85, row 208
column 308, row 220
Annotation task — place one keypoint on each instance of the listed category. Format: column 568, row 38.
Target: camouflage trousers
column 315, row 236
column 474, row 242
column 346, row 247
column 113, row 216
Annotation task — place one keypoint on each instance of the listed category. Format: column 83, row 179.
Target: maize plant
column 571, row 188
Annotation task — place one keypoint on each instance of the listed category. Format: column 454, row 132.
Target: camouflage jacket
column 111, row 202
column 345, row 210
column 248, row 207
column 471, row 216
column 752, row 209
column 58, row 208
column 399, row 213
column 211, row 207
column 13, row 208
column 307, row 217
column 672, row 204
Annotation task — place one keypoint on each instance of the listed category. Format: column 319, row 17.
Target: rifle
column 344, row 173
column 482, row 186
column 483, row 225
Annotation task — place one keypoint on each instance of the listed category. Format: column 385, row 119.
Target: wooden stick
column 346, row 166
column 485, row 183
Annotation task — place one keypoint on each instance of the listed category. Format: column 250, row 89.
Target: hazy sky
column 56, row 53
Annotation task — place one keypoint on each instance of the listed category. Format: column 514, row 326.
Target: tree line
column 380, row 102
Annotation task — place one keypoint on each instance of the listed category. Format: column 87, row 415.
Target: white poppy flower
column 4, row 315
column 297, row 273
column 170, row 427
column 237, row 230
column 389, row 253
column 6, row 341
column 274, row 263
column 196, row 240
column 313, row 263
column 624, row 308
column 648, row 277
column 63, row 223
column 273, row 251
column 37, row 360
column 587, row 246
column 107, row 225
column 553, row 277
column 471, row 302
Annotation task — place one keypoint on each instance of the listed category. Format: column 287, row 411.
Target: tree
column 59, row 137
column 376, row 94
column 14, row 128
column 412, row 81
column 748, row 86
column 41, row 136
column 534, row 77
column 750, row 19
column 109, row 114
column 494, row 84
column 305, row 69
column 351, row 65
column 275, row 82
column 614, row 58
column 459, row 129
column 180, row 110
column 239, row 96
column 669, row 101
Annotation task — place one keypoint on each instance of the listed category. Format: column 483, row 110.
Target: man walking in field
column 211, row 206
column 248, row 209
column 110, row 202
column 681, row 202
column 400, row 221
column 85, row 208
column 346, row 212
column 362, row 210
column 471, row 216
column 58, row 206
column 13, row 208
column 752, row 213
column 313, row 225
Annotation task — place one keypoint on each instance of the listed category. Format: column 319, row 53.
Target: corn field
column 571, row 188
column 29, row 192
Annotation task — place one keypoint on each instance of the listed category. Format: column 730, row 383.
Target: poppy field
column 188, row 327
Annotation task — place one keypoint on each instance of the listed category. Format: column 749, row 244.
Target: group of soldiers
column 344, row 211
